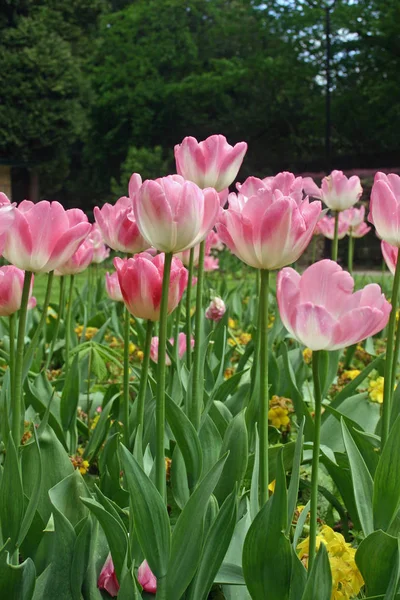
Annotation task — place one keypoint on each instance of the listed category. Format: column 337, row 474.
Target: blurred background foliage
column 91, row 90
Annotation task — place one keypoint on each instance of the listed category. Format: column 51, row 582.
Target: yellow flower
column 140, row 355
column 229, row 372
column 346, row 578
column 375, row 389
column 94, row 422
column 231, row 323
column 245, row 338
column 278, row 417
column 352, row 374
column 89, row 333
column 307, row 355
column 84, row 467
column 232, row 342
column 271, row 320
column 132, row 347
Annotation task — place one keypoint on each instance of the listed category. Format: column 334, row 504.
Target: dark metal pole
column 328, row 88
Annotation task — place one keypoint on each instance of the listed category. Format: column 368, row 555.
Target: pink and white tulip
column 267, row 230
column 216, row 309
column 320, row 310
column 107, row 579
column 119, row 228
column 79, row 261
column 44, row 236
column 113, row 288
column 146, row 578
column 100, row 250
column 326, row 227
column 6, row 218
column 390, row 254
column 182, row 346
column 211, row 263
column 210, row 163
column 11, row 286
column 337, row 191
column 173, row 214
column 385, row 207
column 140, row 279
column 354, row 217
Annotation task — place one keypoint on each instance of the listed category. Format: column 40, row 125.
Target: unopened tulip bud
column 216, row 309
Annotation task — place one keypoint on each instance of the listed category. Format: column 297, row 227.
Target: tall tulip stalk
column 267, row 231
column 320, row 310
column 385, row 216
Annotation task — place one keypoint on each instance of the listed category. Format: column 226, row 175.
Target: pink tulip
column 311, row 188
column 174, row 214
column 181, row 347
column 210, row 163
column 354, row 217
column 107, row 579
column 390, row 254
column 216, row 309
column 7, row 216
column 211, row 263
column 100, row 250
column 134, row 185
column 326, row 227
column 11, row 284
column 79, row 261
column 360, row 230
column 44, row 235
column 319, row 309
column 119, row 228
column 146, row 578
column 339, row 192
column 385, row 207
column 286, row 183
column 140, row 279
column 267, row 230
column 113, row 288
column 214, row 241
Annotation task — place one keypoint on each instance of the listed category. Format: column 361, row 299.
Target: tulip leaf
column 187, row 537
column 300, row 406
column 386, row 498
column 211, row 442
column 236, row 443
column 35, row 494
column 267, row 552
column 99, row 434
column 377, row 558
column 17, row 582
column 293, row 491
column 11, row 496
column 254, row 489
column 362, row 482
column 299, row 577
column 319, row 583
column 215, row 548
column 187, row 440
column 150, row 515
column 70, row 396
column 179, row 480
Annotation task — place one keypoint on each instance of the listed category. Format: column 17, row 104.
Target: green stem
column 19, row 358
column 57, row 326
column 264, row 388
column 387, row 386
column 161, row 589
column 396, row 355
column 335, row 237
column 350, row 254
column 198, row 383
column 61, row 308
column 160, row 395
column 68, row 325
column 315, row 459
column 88, row 399
column 188, row 308
column 143, row 375
column 39, row 329
column 125, row 411
column 11, row 332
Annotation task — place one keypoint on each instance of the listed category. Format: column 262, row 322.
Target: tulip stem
column 57, row 326
column 264, row 388
column 143, row 375
column 389, row 360
column 127, row 332
column 396, row 355
column 197, row 391
column 315, row 459
column 160, row 395
column 161, row 588
column 68, row 325
column 19, row 359
column 350, row 254
column 188, row 308
column 335, row 240
column 11, row 332
column 39, row 329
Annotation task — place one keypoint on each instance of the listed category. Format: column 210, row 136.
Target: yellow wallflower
column 232, row 342
column 347, row 580
column 245, row 338
column 84, row 467
column 140, row 355
column 229, row 372
column 278, row 417
column 89, row 333
column 231, row 323
column 307, row 355
column 375, row 389
column 351, row 374
column 132, row 347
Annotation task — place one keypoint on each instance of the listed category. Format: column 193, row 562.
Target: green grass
column 40, row 285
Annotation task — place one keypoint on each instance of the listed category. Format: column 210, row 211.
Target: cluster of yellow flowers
column 90, row 332
column 279, row 411
column 375, row 389
column 347, row 580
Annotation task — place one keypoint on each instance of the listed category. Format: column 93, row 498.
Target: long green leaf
column 293, row 491
column 386, row 499
column 319, row 583
column 236, row 443
column 11, row 496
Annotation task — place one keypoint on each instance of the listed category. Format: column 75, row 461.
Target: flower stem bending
column 389, row 361
column 264, row 391
column 19, row 359
column 160, row 396
column 315, row 459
